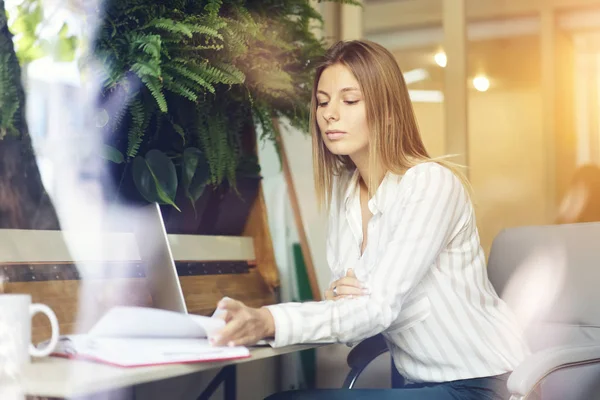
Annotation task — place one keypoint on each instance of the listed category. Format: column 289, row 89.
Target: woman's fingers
column 232, row 331
column 230, row 305
column 351, row 296
column 243, row 341
column 347, row 286
column 345, row 290
column 245, row 325
column 329, row 295
column 349, row 281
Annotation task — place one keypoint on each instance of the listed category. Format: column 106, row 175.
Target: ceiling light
column 415, row 75
column 481, row 83
column 441, row 59
column 426, row 96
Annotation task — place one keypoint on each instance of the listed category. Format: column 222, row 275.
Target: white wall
column 298, row 147
column 299, row 154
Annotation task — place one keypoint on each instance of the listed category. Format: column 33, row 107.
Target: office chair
column 557, row 270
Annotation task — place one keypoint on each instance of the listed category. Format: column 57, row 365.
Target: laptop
column 155, row 252
column 161, row 273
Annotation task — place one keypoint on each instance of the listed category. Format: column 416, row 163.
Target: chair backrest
column 550, row 277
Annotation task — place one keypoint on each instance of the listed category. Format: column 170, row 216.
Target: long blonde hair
column 394, row 141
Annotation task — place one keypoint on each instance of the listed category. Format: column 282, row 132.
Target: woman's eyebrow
column 346, row 89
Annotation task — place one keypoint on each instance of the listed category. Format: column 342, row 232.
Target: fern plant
column 9, row 102
column 10, row 98
column 196, row 75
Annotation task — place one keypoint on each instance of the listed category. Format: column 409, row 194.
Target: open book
column 139, row 336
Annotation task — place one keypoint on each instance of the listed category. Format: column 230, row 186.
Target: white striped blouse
column 429, row 291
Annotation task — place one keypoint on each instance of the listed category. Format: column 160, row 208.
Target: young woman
column 403, row 246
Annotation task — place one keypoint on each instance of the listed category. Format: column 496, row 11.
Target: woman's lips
column 333, row 135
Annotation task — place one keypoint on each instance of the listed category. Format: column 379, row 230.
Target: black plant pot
column 219, row 211
column 187, row 221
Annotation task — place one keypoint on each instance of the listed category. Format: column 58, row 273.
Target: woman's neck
column 361, row 161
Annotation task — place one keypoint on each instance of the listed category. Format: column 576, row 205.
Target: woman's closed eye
column 349, row 102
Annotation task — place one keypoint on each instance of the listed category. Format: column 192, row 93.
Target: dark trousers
column 488, row 388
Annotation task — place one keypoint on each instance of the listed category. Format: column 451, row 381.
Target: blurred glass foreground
column 532, row 120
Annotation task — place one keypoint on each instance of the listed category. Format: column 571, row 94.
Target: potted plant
column 184, row 84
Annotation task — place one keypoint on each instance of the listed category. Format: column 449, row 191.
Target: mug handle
column 44, row 309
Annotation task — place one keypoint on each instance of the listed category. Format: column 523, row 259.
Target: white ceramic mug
column 16, row 312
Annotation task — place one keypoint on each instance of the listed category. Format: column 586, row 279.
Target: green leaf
column 111, row 154
column 171, row 26
column 136, row 128
column 196, row 173
column 143, row 180
column 65, row 49
column 187, row 73
column 177, row 128
column 63, row 31
column 155, row 177
column 155, row 88
column 142, row 68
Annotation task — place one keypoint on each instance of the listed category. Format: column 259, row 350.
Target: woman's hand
column 348, row 286
column 244, row 325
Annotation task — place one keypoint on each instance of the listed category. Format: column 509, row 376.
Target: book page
column 129, row 352
column 145, row 322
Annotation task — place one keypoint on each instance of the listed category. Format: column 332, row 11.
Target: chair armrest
column 530, row 372
column 366, row 351
column 361, row 355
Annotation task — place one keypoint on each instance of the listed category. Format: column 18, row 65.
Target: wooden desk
column 59, row 377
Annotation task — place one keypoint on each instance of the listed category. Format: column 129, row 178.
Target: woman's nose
column 332, row 114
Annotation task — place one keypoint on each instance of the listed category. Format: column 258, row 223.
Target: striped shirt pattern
column 429, row 291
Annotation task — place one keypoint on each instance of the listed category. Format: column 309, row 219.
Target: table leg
column 227, row 376
column 231, row 383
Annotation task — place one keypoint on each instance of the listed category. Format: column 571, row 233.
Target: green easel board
column 308, row 357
